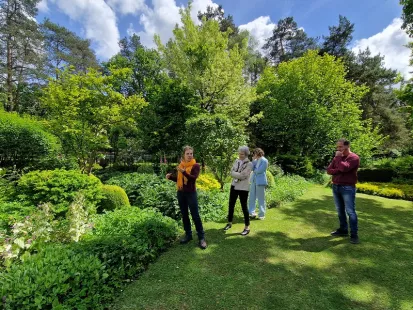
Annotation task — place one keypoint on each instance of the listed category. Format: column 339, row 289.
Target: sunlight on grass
column 289, row 261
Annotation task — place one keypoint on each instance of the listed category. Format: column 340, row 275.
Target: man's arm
column 331, row 169
column 350, row 164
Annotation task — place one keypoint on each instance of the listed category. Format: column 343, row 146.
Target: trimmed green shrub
column 270, row 179
column 114, row 197
column 24, row 142
column 57, row 277
column 59, row 187
column 375, row 175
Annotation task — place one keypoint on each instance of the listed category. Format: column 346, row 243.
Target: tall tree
column 380, row 102
column 82, row 107
column 407, row 16
column 307, row 105
column 288, row 41
column 65, row 48
column 21, row 57
column 340, row 36
column 218, row 14
column 200, row 58
column 146, row 65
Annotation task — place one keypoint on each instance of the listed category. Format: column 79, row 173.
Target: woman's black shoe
column 245, row 232
column 227, row 227
column 185, row 239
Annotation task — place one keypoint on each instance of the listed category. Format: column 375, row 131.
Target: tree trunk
column 9, row 82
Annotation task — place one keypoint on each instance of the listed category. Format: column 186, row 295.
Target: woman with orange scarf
column 188, row 172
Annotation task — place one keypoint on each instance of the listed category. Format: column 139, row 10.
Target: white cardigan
column 241, row 180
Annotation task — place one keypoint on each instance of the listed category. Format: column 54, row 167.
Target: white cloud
column 43, row 7
column 127, row 6
column 260, row 28
column 390, row 43
column 162, row 19
column 98, row 21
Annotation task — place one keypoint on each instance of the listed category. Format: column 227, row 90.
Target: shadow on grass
column 272, row 270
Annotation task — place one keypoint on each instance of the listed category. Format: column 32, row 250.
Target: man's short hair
column 344, row 141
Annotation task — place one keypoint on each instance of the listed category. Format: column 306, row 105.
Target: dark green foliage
column 56, row 277
column 340, row 36
column 296, row 165
column 11, row 212
column 286, row 189
column 213, row 205
column 407, row 16
column 375, row 175
column 24, row 142
column 153, row 230
column 59, row 187
column 288, row 41
column 114, row 197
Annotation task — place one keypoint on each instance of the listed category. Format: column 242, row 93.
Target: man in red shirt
column 344, row 168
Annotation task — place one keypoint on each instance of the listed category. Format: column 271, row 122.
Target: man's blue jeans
column 345, row 200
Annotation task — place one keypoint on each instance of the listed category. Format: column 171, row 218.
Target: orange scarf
column 181, row 180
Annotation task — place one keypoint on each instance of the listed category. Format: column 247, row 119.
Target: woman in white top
column 240, row 173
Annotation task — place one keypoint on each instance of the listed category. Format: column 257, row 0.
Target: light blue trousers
column 257, row 192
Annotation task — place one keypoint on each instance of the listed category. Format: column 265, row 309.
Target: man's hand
column 339, row 154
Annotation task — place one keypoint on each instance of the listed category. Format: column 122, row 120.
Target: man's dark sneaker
column 228, row 226
column 185, row 239
column 202, row 244
column 339, row 233
column 354, row 239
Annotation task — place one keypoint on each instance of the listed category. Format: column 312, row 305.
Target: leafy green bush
column 123, row 256
column 149, row 226
column 132, row 183
column 275, row 169
column 297, row 165
column 6, row 190
column 321, row 177
column 213, row 204
column 57, row 277
column 11, row 212
column 145, row 168
column 151, row 191
column 270, row 179
column 59, row 187
column 24, row 142
column 286, row 189
column 114, row 197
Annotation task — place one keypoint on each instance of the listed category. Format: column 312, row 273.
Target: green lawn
column 289, row 261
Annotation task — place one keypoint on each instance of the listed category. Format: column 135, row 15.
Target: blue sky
column 105, row 21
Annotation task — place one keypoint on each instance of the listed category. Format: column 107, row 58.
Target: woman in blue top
column 258, row 182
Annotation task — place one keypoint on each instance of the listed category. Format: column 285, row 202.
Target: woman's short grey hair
column 244, row 149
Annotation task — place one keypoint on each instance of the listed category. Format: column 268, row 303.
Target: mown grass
column 289, row 261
